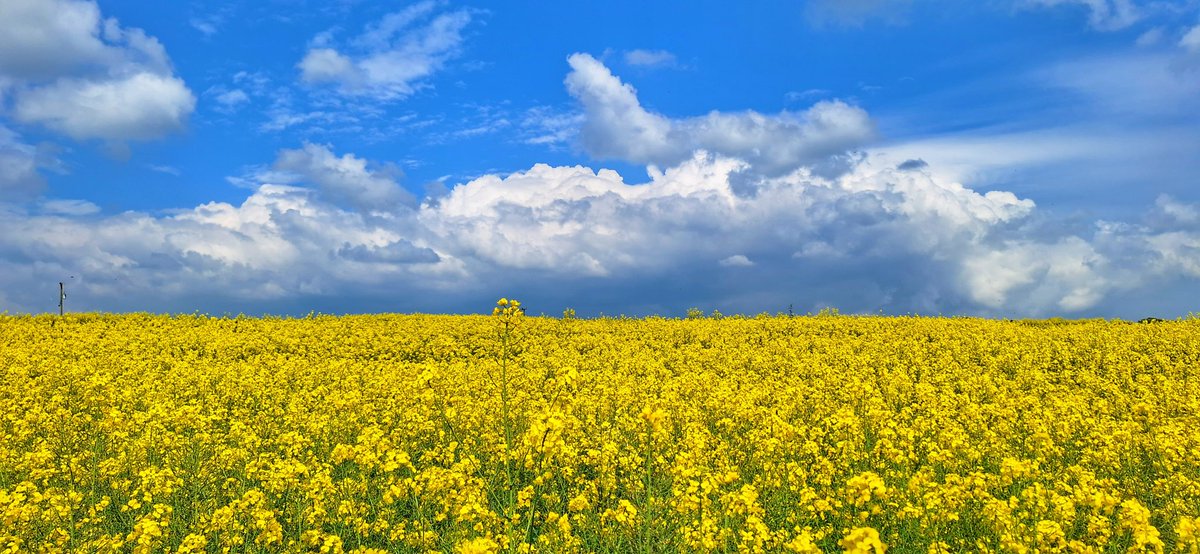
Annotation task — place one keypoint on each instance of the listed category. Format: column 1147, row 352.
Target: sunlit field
column 413, row 433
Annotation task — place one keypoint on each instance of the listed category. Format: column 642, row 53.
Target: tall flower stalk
column 509, row 313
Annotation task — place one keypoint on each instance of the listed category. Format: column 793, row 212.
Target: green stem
column 646, row 486
column 508, row 477
column 533, row 499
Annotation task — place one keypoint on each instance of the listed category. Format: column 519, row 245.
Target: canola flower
column 507, row 433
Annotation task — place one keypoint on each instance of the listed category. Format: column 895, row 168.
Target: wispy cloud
column 650, row 58
column 475, row 120
column 807, row 95
column 167, row 169
column 231, row 99
column 68, row 207
column 19, row 175
column 393, row 57
column 207, row 27
column 736, row 260
column 550, row 126
column 1191, row 40
column 213, row 18
column 1104, row 15
column 227, row 101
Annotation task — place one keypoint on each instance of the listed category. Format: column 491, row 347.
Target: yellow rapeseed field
column 472, row 434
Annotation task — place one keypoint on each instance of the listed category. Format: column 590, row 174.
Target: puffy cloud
column 927, row 199
column 136, row 107
column 1063, row 276
column 392, row 57
column 1171, row 234
column 345, row 180
column 617, row 126
column 574, row 221
column 1177, row 252
column 876, row 237
column 86, row 77
column 44, row 38
column 1177, row 212
column 281, row 242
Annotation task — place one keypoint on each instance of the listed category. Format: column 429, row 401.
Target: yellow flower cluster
column 509, row 433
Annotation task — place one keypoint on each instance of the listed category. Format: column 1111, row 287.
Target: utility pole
column 62, row 296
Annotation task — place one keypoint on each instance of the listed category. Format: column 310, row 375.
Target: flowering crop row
column 407, row 433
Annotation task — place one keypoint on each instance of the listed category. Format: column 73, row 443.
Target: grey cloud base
column 874, row 239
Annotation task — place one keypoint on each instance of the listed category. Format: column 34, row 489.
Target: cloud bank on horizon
column 1063, row 187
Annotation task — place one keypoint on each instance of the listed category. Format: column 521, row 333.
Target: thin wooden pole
column 62, row 296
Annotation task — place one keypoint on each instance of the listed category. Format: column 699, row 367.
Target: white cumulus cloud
column 87, row 77
column 875, row 237
column 738, row 212
column 140, row 106
column 1066, row 275
column 46, row 38
column 617, row 126
column 279, row 242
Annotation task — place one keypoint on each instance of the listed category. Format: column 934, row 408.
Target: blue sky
column 1001, row 158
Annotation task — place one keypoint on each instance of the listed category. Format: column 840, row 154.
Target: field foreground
column 509, row 433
